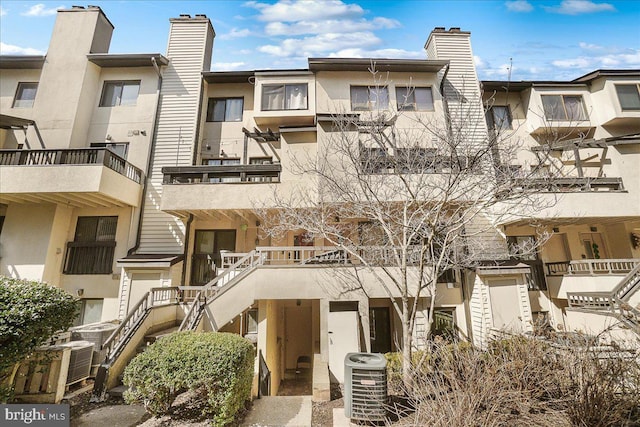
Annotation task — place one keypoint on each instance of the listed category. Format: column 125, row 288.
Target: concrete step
column 118, row 391
column 151, row 338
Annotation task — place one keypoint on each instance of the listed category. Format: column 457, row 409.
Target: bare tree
column 408, row 197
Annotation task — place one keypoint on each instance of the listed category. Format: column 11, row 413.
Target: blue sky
column 543, row 40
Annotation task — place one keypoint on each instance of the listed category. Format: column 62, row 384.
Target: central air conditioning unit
column 365, row 385
column 97, row 333
column 80, row 360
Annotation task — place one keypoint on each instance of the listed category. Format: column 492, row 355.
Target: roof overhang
column 608, row 73
column 149, row 260
column 227, row 76
column 9, row 122
column 380, row 64
column 119, row 60
column 21, row 62
column 504, row 268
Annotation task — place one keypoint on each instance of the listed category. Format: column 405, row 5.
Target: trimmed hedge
column 30, row 313
column 217, row 364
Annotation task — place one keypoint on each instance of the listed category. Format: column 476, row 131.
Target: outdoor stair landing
column 151, row 338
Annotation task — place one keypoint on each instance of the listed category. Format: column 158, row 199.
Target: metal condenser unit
column 365, row 385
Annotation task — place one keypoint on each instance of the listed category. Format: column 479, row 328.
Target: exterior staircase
column 138, row 326
column 156, row 310
column 141, row 325
column 616, row 302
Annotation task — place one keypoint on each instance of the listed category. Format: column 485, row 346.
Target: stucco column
column 324, row 329
column 363, row 311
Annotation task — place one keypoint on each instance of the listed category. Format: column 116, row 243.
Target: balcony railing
column 89, row 257
column 592, row 267
column 572, row 184
column 557, row 268
column 75, row 156
column 221, row 174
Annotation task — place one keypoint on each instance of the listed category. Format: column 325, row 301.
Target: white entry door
column 505, row 304
column 141, row 283
column 343, row 339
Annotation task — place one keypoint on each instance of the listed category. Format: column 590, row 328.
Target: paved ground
column 111, row 416
column 279, row 411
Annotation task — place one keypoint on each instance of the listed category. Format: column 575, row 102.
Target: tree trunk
column 407, row 376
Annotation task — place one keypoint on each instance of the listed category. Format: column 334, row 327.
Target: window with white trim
column 25, row 95
column 284, row 97
column 368, row 98
column 225, row 109
column 629, row 97
column 499, row 117
column 115, row 93
column 414, row 99
column 564, row 107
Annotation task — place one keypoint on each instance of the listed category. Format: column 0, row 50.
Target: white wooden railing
column 593, row 267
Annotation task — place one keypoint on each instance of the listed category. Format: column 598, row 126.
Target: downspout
column 186, row 249
column 150, row 161
column 445, row 103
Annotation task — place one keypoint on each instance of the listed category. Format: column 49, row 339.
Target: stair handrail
column 189, row 321
column 127, row 325
column 630, row 282
column 211, row 288
column 130, row 324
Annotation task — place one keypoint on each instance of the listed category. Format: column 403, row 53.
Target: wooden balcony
column 198, row 189
column 222, row 174
column 79, row 156
column 573, row 184
column 82, row 177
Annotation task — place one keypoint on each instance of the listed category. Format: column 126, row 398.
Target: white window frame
column 19, row 101
column 286, row 104
column 117, row 100
column 637, row 86
column 211, row 109
column 406, row 98
column 550, row 115
column 373, row 98
column 495, row 124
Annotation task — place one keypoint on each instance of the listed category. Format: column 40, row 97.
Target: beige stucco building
column 124, row 173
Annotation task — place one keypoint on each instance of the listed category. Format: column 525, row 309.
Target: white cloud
column 629, row 58
column 581, row 62
column 228, row 66
column 377, row 53
column 9, row 49
column 590, row 46
column 3, row 11
column 479, row 62
column 320, row 44
column 577, row 7
column 328, row 26
column 301, row 10
column 41, row 10
column 235, row 34
column 519, row 6
column 308, row 28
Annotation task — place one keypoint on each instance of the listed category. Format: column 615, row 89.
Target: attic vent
column 185, row 15
column 202, row 16
column 77, row 7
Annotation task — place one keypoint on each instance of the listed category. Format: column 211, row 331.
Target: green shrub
column 218, row 364
column 30, row 313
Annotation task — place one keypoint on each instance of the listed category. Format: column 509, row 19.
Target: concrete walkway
column 279, row 411
column 111, row 416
